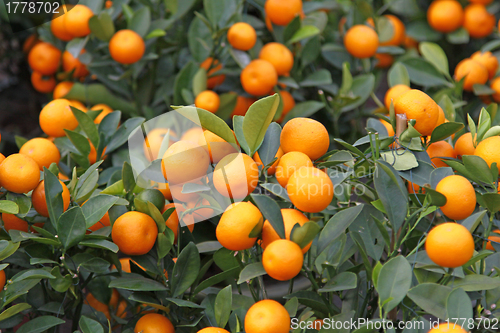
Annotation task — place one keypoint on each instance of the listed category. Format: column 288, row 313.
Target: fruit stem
column 401, row 126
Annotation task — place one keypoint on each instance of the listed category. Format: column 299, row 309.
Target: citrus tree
column 257, row 166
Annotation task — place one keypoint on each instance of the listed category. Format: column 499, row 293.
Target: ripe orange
column 495, row 85
column 126, row 47
column 493, row 238
column 310, row 189
column 105, row 111
column 44, row 58
column 71, row 63
column 289, row 163
column 414, row 188
column 3, row 279
column 104, row 308
column 76, row 21
column 279, row 56
column 103, row 222
column 272, row 168
column 242, row 36
column 57, row 116
column 236, row 224
column 58, row 28
column 184, row 161
column 282, row 259
column 61, row 89
column 441, row 117
column 460, row 197
column 153, row 141
column 361, row 41
column 410, row 43
column 213, row 330
column 445, row 15
column 12, row 222
column 473, row 71
column 108, row 4
column 213, row 66
column 488, row 60
column 19, row 173
column 288, row 104
column 43, row 84
column 440, row 149
column 178, row 195
column 77, row 104
column 478, row 21
column 393, row 93
column 259, row 77
column 42, row 151
column 282, row 12
column 419, row 106
column 399, row 31
column 31, row 41
column 135, row 233
column 39, row 202
column 388, row 127
column 445, row 327
column 384, row 60
column 93, row 154
column 236, row 176
column 242, row 105
column 192, row 134
column 488, row 150
column 464, row 145
column 449, row 245
column 267, row 316
column 216, row 146
column 290, row 218
column 207, row 100
column 305, row 135
column 173, row 220
column 2, row 157
column 154, row 323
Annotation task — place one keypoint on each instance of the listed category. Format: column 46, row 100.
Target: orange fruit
column 104, row 308
column 290, row 218
column 488, row 150
column 464, row 145
column 126, row 47
column 259, row 77
column 482, row 2
column 153, row 141
column 305, row 135
column 19, row 173
column 58, row 27
column 213, row 330
column 61, row 89
column 105, row 111
column 43, row 84
column 242, row 36
column 449, row 245
column 310, row 189
column 384, row 60
column 242, row 105
column 57, row 116
column 39, row 202
column 267, row 316
column 44, row 58
column 445, row 15
column 441, row 117
column 173, row 220
column 236, row 224
column 419, row 106
column 135, row 233
column 199, row 212
column 440, row 149
column 71, row 63
column 282, row 12
column 410, row 43
column 31, row 41
column 388, row 127
column 108, row 4
column 42, row 151
column 154, row 323
column 393, row 93
column 207, row 100
column 3, row 279
column 460, row 197
column 93, row 154
column 445, row 327
column 272, row 169
column 77, row 104
column 178, row 195
column 488, row 60
column 289, row 163
column 478, row 21
column 473, row 71
column 164, row 188
column 184, row 161
column 279, row 56
column 236, row 176
column 493, row 238
column 282, row 260
column 399, row 31
column 288, row 104
column 495, row 85
column 103, row 222
column 12, row 222
column 192, row 134
column 76, row 20
column 361, row 41
column 213, row 66
column 216, row 146
column 414, row 188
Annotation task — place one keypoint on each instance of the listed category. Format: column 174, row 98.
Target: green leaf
column 40, row 324
column 71, row 227
column 270, row 144
column 346, row 79
column 304, row 109
column 102, row 26
column 423, row 73
column 215, row 279
column 458, row 306
column 394, row 281
column 435, row 198
column 227, row 104
column 141, row 21
column 128, row 177
column 9, row 207
column 400, row 162
column 447, row 105
column 88, row 325
column 476, row 282
column 459, row 36
column 492, row 201
column 200, row 81
column 251, row 271
column 445, row 130
column 398, row 74
column 271, row 212
column 137, row 284
column 478, row 167
column 200, row 40
column 304, row 234
column 223, row 304
column 100, row 244
column 431, row 298
column 20, row 141
column 337, row 225
column 304, row 32
column 96, row 207
column 318, row 78
column 53, row 196
column 434, row 54
column 156, row 33
column 38, row 273
column 13, row 310
column 242, row 58
column 257, row 119
column 185, row 270
column 342, row 281
column 87, row 125
column 362, row 87
column 96, row 265
column 60, row 283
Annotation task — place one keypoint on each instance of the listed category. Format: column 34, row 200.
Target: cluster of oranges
column 478, row 69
